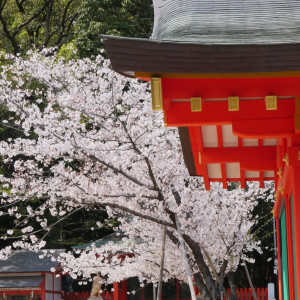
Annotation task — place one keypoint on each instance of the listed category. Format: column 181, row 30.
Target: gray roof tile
column 28, row 261
column 227, row 21
column 20, row 282
column 213, row 36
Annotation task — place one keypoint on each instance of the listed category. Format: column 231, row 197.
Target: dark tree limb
column 121, row 172
column 138, row 214
column 196, row 250
column 200, row 283
column 232, row 285
column 25, row 23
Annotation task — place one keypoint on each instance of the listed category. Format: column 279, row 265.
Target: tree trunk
column 232, row 286
column 201, row 286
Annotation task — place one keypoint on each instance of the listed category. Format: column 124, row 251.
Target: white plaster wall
column 49, row 282
column 48, row 296
column 57, row 284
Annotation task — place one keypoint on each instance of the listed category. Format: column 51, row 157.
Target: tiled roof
column 20, row 282
column 227, row 21
column 28, row 261
column 117, row 239
column 213, row 37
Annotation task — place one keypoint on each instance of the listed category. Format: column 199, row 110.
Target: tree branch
column 10, row 36
column 22, row 25
column 199, row 281
column 119, row 171
column 138, row 214
column 196, row 250
column 20, row 6
column 150, row 171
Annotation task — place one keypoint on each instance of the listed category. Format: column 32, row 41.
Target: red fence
column 246, row 294
column 85, row 295
column 242, row 294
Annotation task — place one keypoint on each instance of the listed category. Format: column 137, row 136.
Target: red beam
column 26, row 291
column 216, row 112
column 268, row 128
column 185, row 88
column 251, row 158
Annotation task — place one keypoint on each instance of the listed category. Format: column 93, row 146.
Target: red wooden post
column 259, row 294
column 278, row 257
column 43, row 296
column 296, row 207
column 240, row 294
column 123, row 295
column 289, row 236
column 249, row 293
column 229, row 292
column 245, row 291
column 143, row 294
column 116, row 291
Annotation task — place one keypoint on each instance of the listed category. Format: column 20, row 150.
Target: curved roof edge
column 130, row 55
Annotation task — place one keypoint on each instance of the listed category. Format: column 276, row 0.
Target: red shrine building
column 25, row 276
column 227, row 74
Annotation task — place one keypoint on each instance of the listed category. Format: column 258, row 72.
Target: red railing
column 242, row 294
column 246, row 294
column 85, row 295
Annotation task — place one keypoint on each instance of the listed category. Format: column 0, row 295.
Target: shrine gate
column 227, row 74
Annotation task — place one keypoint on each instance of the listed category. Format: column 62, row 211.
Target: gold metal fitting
column 233, row 104
column 156, row 92
column 200, row 159
column 271, row 102
column 279, row 173
column 196, row 104
column 281, row 189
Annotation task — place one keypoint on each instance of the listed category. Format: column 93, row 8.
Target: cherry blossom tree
column 88, row 139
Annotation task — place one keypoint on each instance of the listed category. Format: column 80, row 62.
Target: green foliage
column 68, row 51
column 68, row 24
column 31, row 23
column 132, row 18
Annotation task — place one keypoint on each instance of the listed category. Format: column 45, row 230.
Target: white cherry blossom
column 89, row 139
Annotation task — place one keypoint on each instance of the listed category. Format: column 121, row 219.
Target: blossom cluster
column 88, row 139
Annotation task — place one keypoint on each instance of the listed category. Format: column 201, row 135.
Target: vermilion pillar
column 296, row 228
column 116, row 291
column 278, row 257
column 289, row 236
